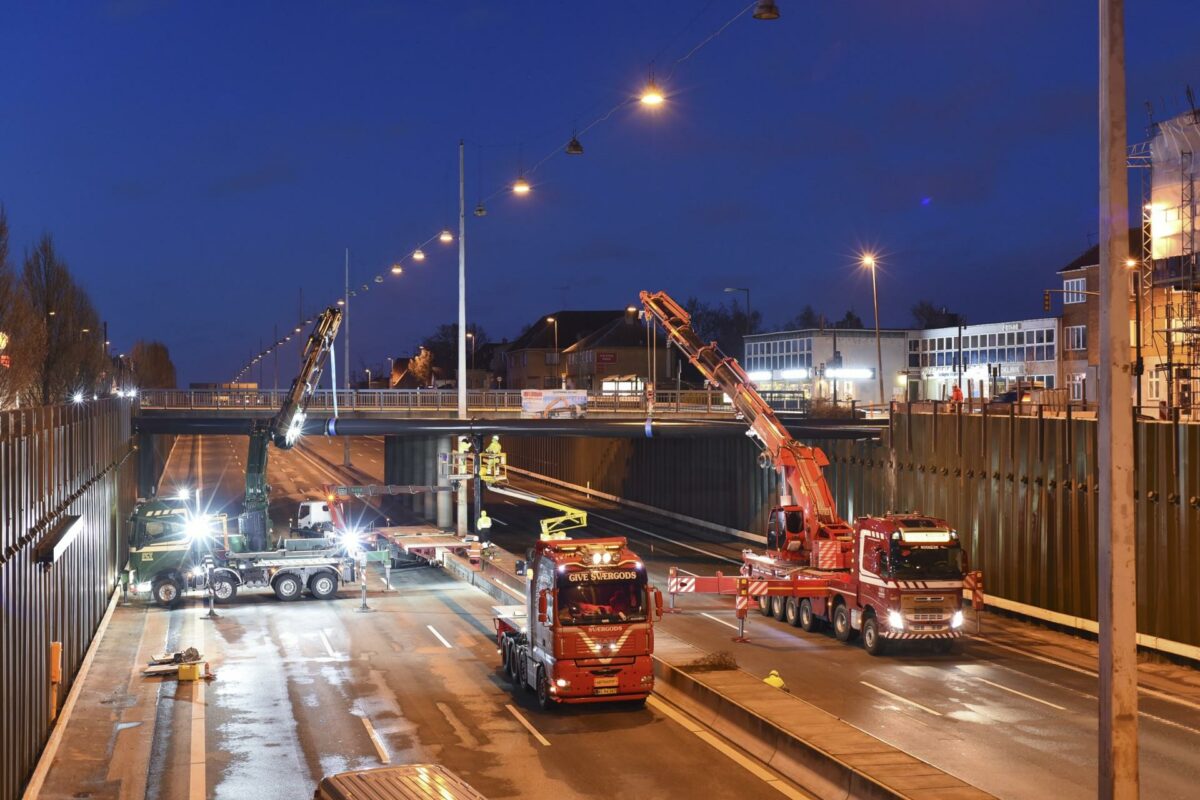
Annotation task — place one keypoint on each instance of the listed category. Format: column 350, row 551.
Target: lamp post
column 368, row 371
column 391, row 370
column 554, row 320
column 868, row 261
column 471, row 336
column 730, row 290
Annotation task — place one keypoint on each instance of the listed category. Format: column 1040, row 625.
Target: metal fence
column 55, row 462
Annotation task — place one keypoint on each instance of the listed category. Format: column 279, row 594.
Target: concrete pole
column 878, row 346
column 1118, row 756
column 445, row 446
column 461, row 526
column 416, row 471
column 429, row 473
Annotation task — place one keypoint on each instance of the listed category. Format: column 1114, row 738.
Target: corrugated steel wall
column 54, row 461
column 1021, row 490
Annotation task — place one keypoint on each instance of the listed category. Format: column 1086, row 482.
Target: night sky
column 200, row 162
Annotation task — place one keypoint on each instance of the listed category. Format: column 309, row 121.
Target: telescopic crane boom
column 799, row 466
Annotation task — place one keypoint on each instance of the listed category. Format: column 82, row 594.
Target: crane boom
column 799, row 465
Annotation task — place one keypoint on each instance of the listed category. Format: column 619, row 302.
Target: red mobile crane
column 898, row 576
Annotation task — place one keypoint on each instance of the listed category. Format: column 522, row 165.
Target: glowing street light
column 652, row 95
column 418, row 254
column 446, row 237
column 77, row 398
column 520, row 186
column 397, row 269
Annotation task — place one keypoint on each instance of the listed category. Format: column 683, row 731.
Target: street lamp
column 1132, row 264
column 520, row 186
column 556, row 353
column 652, row 95
column 368, row 379
column 391, row 370
column 446, row 237
column 868, row 261
column 418, row 255
column 730, row 290
column 471, row 336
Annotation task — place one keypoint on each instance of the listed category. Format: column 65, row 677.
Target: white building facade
column 985, row 360
column 828, row 364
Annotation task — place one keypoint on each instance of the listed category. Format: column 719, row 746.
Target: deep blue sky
column 199, row 162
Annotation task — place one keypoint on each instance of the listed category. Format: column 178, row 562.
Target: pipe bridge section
column 67, row 483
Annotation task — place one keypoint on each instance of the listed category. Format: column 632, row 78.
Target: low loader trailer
column 585, row 633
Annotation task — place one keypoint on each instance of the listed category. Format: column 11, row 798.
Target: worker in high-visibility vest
column 464, row 444
column 484, row 522
column 494, row 448
column 773, row 679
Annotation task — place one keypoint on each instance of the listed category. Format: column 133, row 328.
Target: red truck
column 899, row 576
column 585, row 633
column 896, row 577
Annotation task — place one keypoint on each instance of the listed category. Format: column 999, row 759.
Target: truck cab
column 908, row 582
column 587, row 632
column 314, row 516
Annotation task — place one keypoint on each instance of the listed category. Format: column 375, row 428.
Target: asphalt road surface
column 311, row 687
column 993, row 713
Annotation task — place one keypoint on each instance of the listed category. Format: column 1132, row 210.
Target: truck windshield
column 598, row 597
column 925, row 563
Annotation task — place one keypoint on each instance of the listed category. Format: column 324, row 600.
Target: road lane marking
column 1020, row 694
column 528, row 726
column 1082, row 671
column 441, row 638
column 718, row 619
column 328, row 647
column 926, row 709
column 1172, row 723
column 375, row 740
column 750, row 765
column 645, row 532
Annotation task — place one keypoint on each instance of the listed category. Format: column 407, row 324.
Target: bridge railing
column 666, row 401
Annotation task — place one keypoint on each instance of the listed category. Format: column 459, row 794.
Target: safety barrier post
column 672, row 587
column 742, row 602
column 362, row 566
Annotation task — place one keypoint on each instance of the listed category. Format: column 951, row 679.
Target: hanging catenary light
column 445, row 237
column 766, row 9
column 418, row 255
column 521, row 186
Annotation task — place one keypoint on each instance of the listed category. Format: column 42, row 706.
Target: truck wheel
column 841, row 623
column 287, row 587
column 807, row 621
column 791, row 612
column 513, row 663
column 167, row 592
column 323, row 585
column 546, row 701
column 777, row 608
column 223, row 588
column 521, row 681
column 873, row 643
column 764, row 605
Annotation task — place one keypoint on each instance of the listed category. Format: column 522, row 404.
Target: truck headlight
column 562, row 683
column 956, row 621
column 895, row 620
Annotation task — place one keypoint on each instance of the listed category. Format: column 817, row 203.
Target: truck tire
column 546, row 701
column 323, row 585
column 873, row 643
column 777, row 608
column 791, row 612
column 841, row 623
column 224, row 588
column 287, row 587
column 808, row 622
column 764, row 605
column 167, row 592
column 513, row 664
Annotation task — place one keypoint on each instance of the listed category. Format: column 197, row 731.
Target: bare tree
column 152, row 365
column 927, row 315
column 22, row 334
column 74, row 356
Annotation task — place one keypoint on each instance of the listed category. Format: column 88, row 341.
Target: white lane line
column 375, row 740
column 1082, row 671
column 441, row 638
column 926, row 709
column 750, row 765
column 1172, row 723
column 1020, row 694
column 328, row 647
column 645, row 532
column 528, row 726
column 718, row 619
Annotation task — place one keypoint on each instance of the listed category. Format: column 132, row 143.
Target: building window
column 1076, row 337
column 1073, row 290
column 1155, row 386
column 1077, row 379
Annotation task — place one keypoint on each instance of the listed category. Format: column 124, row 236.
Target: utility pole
column 462, row 324
column 275, row 352
column 1118, row 744
column 346, row 351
